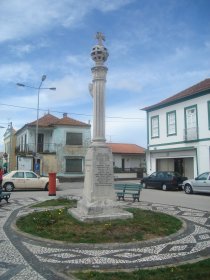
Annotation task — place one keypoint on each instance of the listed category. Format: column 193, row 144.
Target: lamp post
column 37, row 117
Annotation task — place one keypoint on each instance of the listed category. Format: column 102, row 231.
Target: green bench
column 5, row 196
column 128, row 190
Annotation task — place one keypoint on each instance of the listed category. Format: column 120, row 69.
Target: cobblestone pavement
column 22, row 257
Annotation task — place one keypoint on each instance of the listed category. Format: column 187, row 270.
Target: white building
column 128, row 158
column 178, row 132
column 61, row 147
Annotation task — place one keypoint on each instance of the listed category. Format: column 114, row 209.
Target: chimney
column 64, row 115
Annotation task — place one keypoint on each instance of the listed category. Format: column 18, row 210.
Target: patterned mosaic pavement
column 26, row 258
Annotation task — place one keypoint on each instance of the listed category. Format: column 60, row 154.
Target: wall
column 204, row 132
column 125, row 176
column 195, row 163
column 166, row 161
column 63, row 151
column 131, row 161
column 48, row 164
column 203, row 157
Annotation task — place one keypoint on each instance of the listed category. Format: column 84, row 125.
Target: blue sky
column 156, row 49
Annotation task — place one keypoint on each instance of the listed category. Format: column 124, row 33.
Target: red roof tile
column 198, row 88
column 45, row 121
column 69, row 121
column 120, row 148
column 48, row 120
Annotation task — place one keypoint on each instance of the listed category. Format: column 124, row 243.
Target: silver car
column 199, row 184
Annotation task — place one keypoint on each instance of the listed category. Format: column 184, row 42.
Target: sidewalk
column 23, row 257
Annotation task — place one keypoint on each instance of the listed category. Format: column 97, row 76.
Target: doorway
column 123, row 164
column 179, row 166
column 40, row 143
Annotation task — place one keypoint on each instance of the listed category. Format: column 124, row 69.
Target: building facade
column 61, row 147
column 128, row 158
column 178, row 132
column 9, row 157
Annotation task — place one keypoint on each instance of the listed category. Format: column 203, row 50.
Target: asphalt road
column 177, row 198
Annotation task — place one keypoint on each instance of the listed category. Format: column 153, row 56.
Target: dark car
column 165, row 180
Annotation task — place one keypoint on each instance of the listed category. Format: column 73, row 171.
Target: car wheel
column 188, row 189
column 46, row 187
column 9, row 187
column 164, row 187
column 144, row 185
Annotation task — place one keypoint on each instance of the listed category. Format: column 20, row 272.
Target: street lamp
column 37, row 117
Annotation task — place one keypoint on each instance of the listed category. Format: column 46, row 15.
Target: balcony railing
column 191, row 134
column 41, row 148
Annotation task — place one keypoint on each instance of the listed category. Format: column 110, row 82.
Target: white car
column 21, row 179
column 199, row 184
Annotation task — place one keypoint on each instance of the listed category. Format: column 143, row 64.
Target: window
column 18, row 175
column 31, row 175
column 73, row 138
column 155, row 126
column 21, row 143
column 171, row 123
column 203, row 176
column 74, row 165
column 153, row 175
column 208, row 113
column 191, row 123
column 160, row 175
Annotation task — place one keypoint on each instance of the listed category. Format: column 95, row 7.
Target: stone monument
column 99, row 199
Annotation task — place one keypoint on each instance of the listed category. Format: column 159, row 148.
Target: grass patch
column 59, row 225
column 56, row 202
column 195, row 271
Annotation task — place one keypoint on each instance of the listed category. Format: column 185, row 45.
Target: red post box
column 52, row 184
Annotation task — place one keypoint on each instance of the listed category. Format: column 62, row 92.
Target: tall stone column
column 98, row 91
column 99, row 55
column 99, row 200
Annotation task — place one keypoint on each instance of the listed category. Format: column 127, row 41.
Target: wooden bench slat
column 132, row 190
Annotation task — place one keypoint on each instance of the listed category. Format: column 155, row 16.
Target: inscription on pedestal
column 103, row 170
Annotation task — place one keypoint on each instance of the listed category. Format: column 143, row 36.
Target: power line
column 54, row 111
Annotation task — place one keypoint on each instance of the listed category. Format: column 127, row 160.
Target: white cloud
column 133, row 79
column 71, row 88
column 27, row 48
column 20, row 50
column 80, row 61
column 126, row 123
column 21, row 18
column 207, row 44
column 107, row 5
column 13, row 72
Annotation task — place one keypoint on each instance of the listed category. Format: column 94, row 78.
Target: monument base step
column 99, row 210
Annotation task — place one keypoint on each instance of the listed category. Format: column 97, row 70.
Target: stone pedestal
column 99, row 199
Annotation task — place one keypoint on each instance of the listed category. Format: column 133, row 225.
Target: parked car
column 21, row 179
column 199, row 184
column 165, row 180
